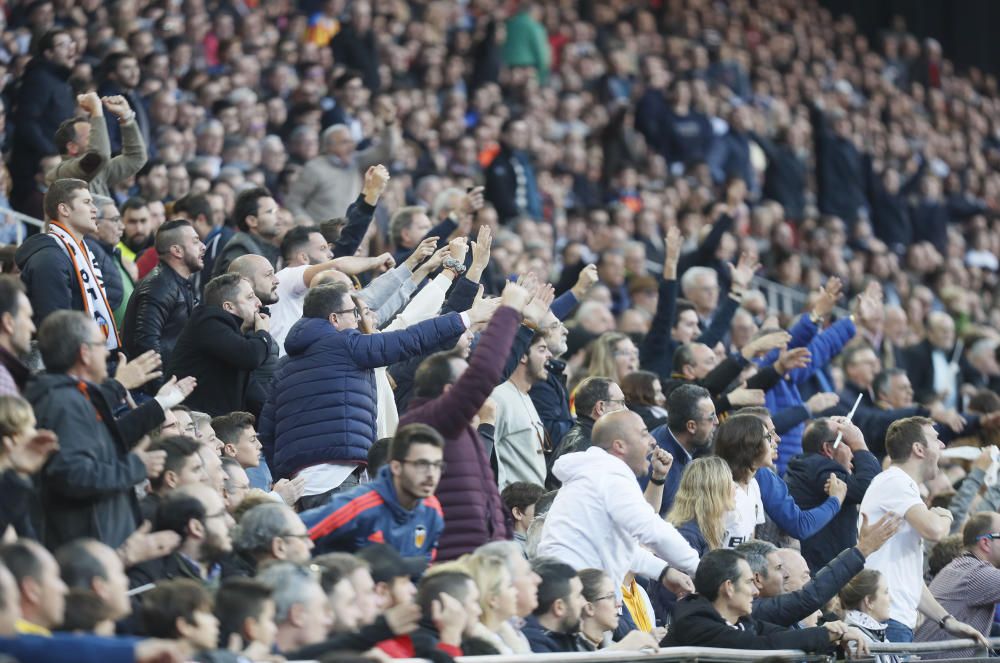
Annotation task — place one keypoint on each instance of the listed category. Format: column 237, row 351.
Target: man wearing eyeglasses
column 969, row 587
column 397, row 508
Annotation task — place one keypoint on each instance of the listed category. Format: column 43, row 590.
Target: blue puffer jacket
column 823, row 347
column 322, row 406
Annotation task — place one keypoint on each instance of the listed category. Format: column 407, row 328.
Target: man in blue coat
column 397, row 508
column 319, row 420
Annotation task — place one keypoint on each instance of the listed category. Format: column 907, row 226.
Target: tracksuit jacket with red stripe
column 372, row 514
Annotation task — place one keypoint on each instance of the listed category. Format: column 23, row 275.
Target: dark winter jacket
column 510, row 194
column 48, row 277
column 544, row 641
column 322, row 406
column 212, row 348
column 44, row 99
column 840, row 171
column 372, row 514
column 242, row 244
column 790, row 608
column 806, row 476
column 160, row 307
column 786, row 177
column 468, row 492
column 108, row 262
column 88, row 486
column 696, row 623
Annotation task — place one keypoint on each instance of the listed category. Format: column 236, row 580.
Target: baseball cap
column 386, row 563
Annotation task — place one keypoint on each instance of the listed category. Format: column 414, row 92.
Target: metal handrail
column 938, row 645
column 24, row 218
column 717, row 654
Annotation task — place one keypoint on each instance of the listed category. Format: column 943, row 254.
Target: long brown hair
column 740, row 442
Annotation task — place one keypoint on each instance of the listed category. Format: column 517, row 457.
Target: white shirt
column 944, row 378
column 901, row 559
column 600, row 520
column 288, row 309
column 743, row 520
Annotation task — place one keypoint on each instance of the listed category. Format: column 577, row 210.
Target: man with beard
column 260, row 273
column 397, row 508
column 256, row 215
column 16, row 330
column 688, row 433
column 197, row 513
column 163, row 301
column 138, row 232
column 555, row 623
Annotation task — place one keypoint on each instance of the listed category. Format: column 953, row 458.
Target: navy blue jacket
column 666, row 441
column 372, row 514
column 69, row 647
column 805, row 478
column 544, row 641
column 790, row 608
column 322, row 404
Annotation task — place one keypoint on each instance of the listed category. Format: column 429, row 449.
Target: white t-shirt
column 288, row 309
column 749, row 512
column 901, row 559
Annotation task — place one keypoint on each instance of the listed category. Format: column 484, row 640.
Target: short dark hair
column 78, row 565
column 221, row 289
column 295, row 240
column 135, row 202
column 169, row 234
column 590, row 391
column 410, row 434
column 433, row 374
column 431, row 587
column 10, row 289
column 228, row 427
column 169, row 601
column 179, row 448
column 48, row 40
column 247, row 205
column 556, row 577
column 683, row 356
column 816, row 433
column 59, row 193
column 521, row 494
column 237, row 600
column 176, row 510
column 194, row 205
column 714, row 569
column 323, row 300
column 881, row 382
column 378, row 454
column 739, row 441
column 683, row 305
column 21, row 559
column 976, row 526
column 111, row 61
column 60, row 338
column 902, row 435
column 682, row 405
column 66, row 133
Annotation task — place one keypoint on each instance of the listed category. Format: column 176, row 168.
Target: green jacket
column 527, row 45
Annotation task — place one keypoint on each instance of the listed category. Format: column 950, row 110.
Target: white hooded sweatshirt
column 600, row 518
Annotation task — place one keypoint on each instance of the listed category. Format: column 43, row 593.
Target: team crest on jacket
column 419, row 536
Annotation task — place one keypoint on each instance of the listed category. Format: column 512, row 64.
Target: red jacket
column 473, row 512
column 402, row 647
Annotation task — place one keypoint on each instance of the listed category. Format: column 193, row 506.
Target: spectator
column 16, row 330
column 300, row 606
column 119, row 276
column 346, row 602
column 267, row 532
column 743, row 442
column 852, row 463
column 402, row 494
column 449, row 605
column 259, row 272
column 87, row 488
column 865, row 600
column 726, row 589
column 121, row 75
column 245, row 609
column 599, row 488
column 44, row 99
column 330, row 182
column 392, row 574
column 55, row 265
column 239, row 439
column 555, row 624
column 223, row 341
column 729, row 156
column 688, row 433
column 235, row 484
column 705, row 495
column 644, row 396
column 91, row 566
column 527, row 43
column 498, row 602
column 914, row 449
column 967, row 588
column 840, row 174
column 163, row 302
column 182, row 466
column 355, row 44
column 181, row 610
column 932, row 364
column 39, row 585
column 23, row 453
column 326, row 337
column 256, row 217
column 519, row 500
column 600, row 615
column 87, row 154
column 511, row 186
column 140, row 228
column 594, row 397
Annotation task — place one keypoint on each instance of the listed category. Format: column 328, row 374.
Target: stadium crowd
column 371, row 329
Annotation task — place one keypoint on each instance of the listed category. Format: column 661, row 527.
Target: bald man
column 600, row 489
column 259, row 271
column 929, row 363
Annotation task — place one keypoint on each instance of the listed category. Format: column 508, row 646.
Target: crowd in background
column 378, row 328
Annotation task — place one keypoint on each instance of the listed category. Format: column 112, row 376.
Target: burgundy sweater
column 473, row 512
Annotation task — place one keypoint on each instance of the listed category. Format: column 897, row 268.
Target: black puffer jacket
column 156, row 314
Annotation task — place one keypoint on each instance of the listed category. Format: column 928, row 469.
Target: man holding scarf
column 58, row 269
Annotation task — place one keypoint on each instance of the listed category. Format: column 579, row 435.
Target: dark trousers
column 312, row 501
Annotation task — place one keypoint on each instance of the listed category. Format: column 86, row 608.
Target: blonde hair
column 705, row 495
column 490, row 575
column 15, row 415
column 602, row 356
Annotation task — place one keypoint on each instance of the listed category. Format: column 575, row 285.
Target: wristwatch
column 454, row 265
